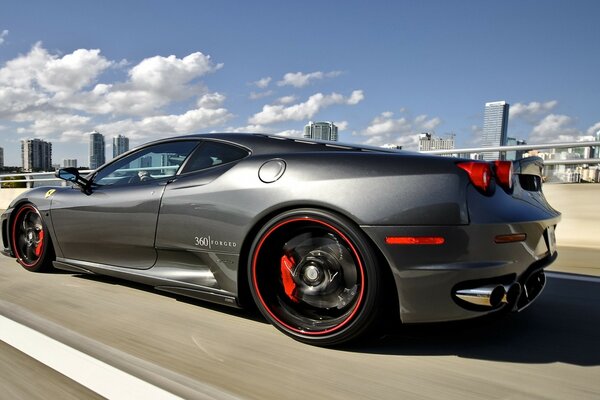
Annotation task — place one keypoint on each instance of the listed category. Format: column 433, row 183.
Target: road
column 549, row 351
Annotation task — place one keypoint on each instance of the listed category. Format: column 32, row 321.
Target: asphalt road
column 549, row 351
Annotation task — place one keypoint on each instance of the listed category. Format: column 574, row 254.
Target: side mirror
column 71, row 174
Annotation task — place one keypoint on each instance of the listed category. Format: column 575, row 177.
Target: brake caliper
column 40, row 242
column 287, row 277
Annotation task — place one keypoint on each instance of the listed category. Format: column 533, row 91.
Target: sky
column 383, row 71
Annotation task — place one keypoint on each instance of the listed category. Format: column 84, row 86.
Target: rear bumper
column 427, row 276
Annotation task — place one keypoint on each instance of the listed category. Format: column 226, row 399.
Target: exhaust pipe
column 513, row 291
column 488, row 296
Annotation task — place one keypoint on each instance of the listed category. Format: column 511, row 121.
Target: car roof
column 260, row 143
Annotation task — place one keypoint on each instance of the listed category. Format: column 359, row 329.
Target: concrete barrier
column 578, row 203
column 580, row 206
column 7, row 195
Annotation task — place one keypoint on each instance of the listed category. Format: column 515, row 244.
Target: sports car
column 326, row 239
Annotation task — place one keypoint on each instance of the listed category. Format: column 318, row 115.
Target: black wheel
column 314, row 276
column 30, row 240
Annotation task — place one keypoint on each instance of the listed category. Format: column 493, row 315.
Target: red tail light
column 480, row 173
column 504, row 172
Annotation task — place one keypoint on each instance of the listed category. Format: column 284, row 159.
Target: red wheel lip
column 360, row 265
column 14, row 231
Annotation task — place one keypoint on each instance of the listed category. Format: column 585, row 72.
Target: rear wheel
column 30, row 240
column 314, row 276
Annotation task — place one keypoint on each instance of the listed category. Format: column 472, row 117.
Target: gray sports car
column 326, row 239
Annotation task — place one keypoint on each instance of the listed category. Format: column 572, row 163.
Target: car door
column 115, row 223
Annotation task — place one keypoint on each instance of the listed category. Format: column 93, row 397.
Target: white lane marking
column 571, row 277
column 94, row 374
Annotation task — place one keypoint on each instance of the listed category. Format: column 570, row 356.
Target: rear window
column 210, row 154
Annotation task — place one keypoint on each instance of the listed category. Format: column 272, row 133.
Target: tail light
column 480, row 174
column 504, row 172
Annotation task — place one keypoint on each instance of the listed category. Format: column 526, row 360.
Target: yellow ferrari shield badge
column 50, row 193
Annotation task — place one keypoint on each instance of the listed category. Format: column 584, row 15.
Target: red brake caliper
column 289, row 286
column 38, row 247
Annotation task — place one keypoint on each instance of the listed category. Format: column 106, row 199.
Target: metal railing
column 35, row 179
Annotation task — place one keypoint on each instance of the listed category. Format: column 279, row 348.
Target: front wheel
column 30, row 240
column 314, row 276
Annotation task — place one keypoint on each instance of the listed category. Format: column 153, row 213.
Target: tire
column 314, row 276
column 30, row 240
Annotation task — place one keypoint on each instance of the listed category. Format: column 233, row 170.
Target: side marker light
column 415, row 240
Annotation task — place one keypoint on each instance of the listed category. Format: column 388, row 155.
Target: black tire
column 31, row 243
column 314, row 276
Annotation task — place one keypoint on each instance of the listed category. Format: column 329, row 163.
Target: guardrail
column 33, row 179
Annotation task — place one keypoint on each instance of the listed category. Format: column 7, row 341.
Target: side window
column 150, row 163
column 209, row 154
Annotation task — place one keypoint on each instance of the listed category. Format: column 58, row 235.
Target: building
column 69, row 163
column 97, row 150
column 1, row 157
column 36, row 155
column 120, row 145
column 514, row 154
column 495, row 124
column 321, row 131
column 429, row 142
column 596, row 152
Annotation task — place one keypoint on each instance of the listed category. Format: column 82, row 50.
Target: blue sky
column 384, row 71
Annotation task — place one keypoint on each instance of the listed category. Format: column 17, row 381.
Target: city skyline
column 383, row 73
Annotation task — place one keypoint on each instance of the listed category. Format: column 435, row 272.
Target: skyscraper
column 120, row 145
column 1, row 157
column 321, row 131
column 495, row 123
column 97, row 157
column 36, row 155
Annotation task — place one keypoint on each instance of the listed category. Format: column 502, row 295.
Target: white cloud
column 3, row 34
column 532, row 111
column 554, row 128
column 594, row 129
column 260, row 95
column 342, row 125
column 299, row 79
column 286, row 99
column 211, row 100
column 167, row 125
column 262, row 83
column 60, row 97
column 271, row 114
column 170, row 75
column 294, row 133
column 399, row 131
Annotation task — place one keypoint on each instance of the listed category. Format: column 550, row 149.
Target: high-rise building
column 495, row 124
column 97, row 150
column 69, row 162
column 36, row 155
column 120, row 145
column 1, row 157
column 429, row 142
column 321, row 131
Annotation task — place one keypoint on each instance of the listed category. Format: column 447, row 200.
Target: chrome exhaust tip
column 513, row 291
column 487, row 296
